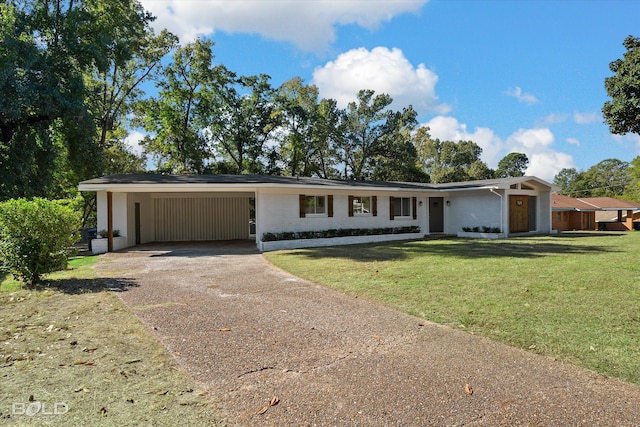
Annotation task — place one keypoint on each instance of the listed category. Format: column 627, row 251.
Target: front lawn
column 572, row 296
column 72, row 354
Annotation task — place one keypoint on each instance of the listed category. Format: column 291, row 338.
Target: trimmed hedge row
column 483, row 229
column 342, row 232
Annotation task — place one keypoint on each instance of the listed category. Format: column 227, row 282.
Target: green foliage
column 608, row 178
column 308, row 130
column 36, row 237
column 342, row 232
column 244, row 118
column 449, row 161
column 513, row 164
column 622, row 113
column 68, row 74
column 632, row 190
column 373, row 132
column 176, row 118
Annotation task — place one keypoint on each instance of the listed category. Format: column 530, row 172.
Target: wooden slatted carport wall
column 202, row 218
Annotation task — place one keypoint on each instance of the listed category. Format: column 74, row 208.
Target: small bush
column 36, row 237
column 104, row 233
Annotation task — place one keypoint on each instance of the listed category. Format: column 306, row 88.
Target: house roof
column 611, row 204
column 157, row 181
column 566, row 203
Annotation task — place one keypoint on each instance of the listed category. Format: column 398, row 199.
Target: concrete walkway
column 248, row 333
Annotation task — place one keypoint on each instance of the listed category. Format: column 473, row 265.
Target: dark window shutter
column 391, row 208
column 303, row 209
column 414, row 207
column 329, row 206
column 374, row 205
column 350, row 205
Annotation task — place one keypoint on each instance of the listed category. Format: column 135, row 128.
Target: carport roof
column 163, row 180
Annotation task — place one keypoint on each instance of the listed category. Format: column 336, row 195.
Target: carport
column 137, row 209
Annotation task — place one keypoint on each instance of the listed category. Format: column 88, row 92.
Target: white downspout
column 501, row 209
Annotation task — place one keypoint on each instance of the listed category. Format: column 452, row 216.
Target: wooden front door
column 518, row 214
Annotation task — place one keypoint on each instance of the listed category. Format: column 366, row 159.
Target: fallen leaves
column 468, row 389
column 272, row 402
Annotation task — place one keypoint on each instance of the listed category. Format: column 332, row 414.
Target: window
column 403, row 207
column 316, row 205
column 363, row 206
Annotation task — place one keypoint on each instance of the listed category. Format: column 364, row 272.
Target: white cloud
column 537, row 144
column 526, row 98
column 449, row 129
column 309, row 24
column 133, row 141
column 554, row 119
column 544, row 161
column 586, row 118
column 573, row 141
column 531, row 138
column 384, row 71
column 546, row 165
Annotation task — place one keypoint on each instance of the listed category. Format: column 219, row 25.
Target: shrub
column 343, row 232
column 104, row 233
column 36, row 237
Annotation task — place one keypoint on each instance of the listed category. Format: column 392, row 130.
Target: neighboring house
column 570, row 213
column 594, row 213
column 290, row 212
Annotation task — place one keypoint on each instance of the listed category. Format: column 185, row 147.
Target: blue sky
column 525, row 76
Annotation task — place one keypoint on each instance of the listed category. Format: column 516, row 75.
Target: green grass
column 79, row 268
column 573, row 297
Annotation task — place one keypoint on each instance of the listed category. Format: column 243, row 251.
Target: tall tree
column 622, row 113
column 632, row 190
column 448, row 161
column 608, row 178
column 397, row 158
column 513, row 164
column 44, row 48
column 132, row 59
column 327, row 135
column 244, row 120
column 369, row 128
column 571, row 183
column 177, row 117
column 297, row 108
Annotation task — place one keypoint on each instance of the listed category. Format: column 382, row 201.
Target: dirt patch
column 83, row 359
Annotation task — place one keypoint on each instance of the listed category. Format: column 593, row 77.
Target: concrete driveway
column 248, row 332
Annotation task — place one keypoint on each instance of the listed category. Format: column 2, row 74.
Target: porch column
column 109, row 221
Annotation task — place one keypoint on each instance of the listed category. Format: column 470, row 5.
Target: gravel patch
column 272, row 349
